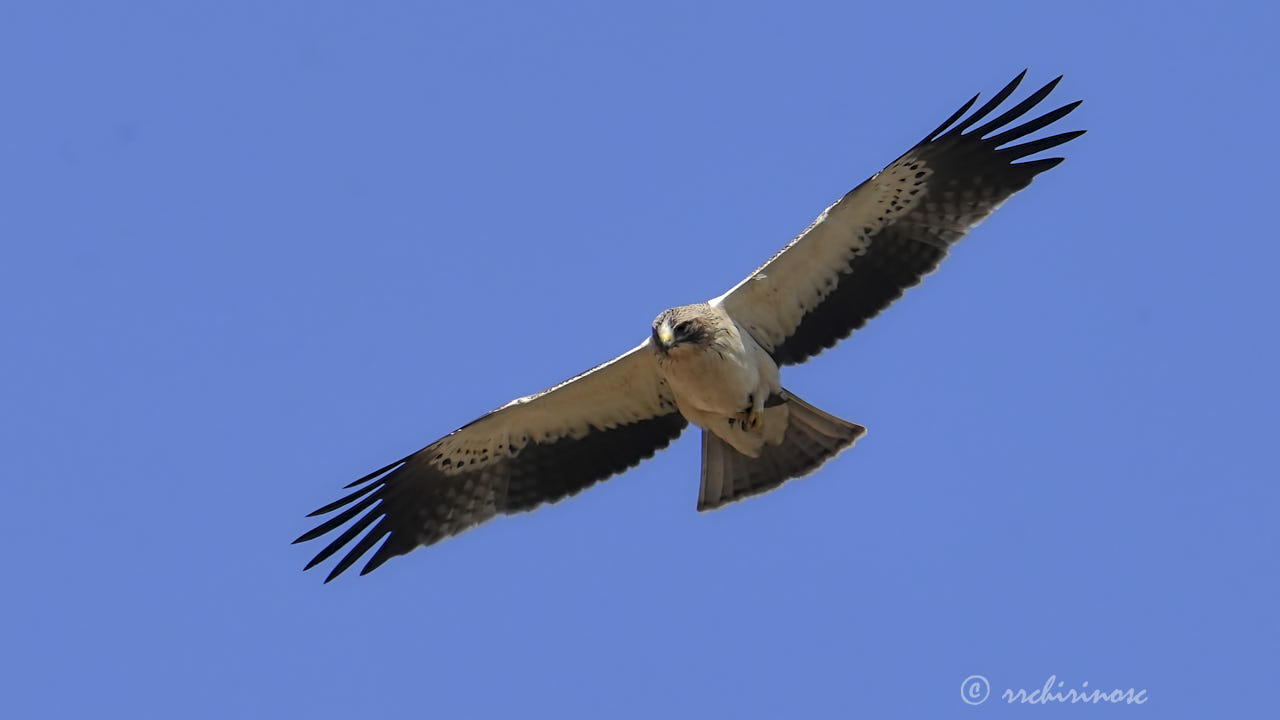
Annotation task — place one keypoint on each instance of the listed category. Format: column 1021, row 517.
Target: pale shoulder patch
column 624, row 390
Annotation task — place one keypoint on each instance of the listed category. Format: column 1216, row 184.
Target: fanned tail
column 812, row 438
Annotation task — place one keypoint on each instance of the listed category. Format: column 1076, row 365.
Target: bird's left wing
column 533, row 450
column 890, row 231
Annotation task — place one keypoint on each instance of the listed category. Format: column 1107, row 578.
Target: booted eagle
column 714, row 364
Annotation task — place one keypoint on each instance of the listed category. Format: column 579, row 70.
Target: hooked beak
column 664, row 338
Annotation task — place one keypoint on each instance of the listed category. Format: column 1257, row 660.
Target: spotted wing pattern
column 886, row 234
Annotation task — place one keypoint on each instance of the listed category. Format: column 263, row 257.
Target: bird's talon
column 755, row 418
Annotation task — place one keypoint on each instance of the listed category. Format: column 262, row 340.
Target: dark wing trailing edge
column 886, row 234
column 532, row 451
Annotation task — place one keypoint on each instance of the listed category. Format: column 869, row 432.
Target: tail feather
column 812, row 438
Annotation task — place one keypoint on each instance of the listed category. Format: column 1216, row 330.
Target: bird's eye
column 682, row 328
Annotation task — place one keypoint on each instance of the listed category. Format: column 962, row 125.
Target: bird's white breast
column 720, row 380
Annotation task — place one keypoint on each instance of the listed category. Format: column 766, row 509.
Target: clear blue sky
column 255, row 250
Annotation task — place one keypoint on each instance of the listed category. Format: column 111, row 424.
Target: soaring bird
column 714, row 364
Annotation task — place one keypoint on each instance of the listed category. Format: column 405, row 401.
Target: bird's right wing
column 533, row 450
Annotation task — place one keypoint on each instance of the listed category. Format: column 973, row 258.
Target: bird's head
column 684, row 327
